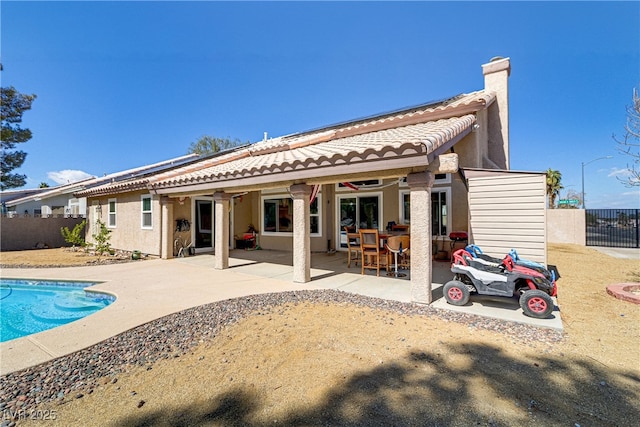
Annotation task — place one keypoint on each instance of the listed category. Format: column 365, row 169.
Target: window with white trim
column 74, row 207
column 439, row 213
column 440, row 206
column 111, row 213
column 439, row 178
column 277, row 215
column 359, row 210
column 147, row 213
column 356, row 185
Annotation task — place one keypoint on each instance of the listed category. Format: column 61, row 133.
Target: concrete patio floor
column 150, row 289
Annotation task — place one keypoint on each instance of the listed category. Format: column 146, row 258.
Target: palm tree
column 553, row 186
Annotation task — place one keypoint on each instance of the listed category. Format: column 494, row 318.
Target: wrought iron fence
column 616, row 228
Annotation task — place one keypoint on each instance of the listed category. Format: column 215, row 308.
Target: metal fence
column 616, row 228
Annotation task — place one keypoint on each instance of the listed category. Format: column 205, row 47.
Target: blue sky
column 123, row 84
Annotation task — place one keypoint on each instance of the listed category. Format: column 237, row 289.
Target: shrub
column 76, row 236
column 102, row 239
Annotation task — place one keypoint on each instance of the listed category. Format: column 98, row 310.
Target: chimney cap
column 496, row 64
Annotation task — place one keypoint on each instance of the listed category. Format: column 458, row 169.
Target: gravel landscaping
column 332, row 358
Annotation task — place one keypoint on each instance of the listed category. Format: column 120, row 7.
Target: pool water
column 30, row 306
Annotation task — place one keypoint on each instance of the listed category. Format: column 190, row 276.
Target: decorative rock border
column 75, row 375
column 625, row 292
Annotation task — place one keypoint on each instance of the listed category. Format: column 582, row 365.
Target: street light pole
column 583, row 165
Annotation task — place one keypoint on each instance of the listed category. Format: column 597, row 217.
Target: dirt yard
column 339, row 364
column 58, row 257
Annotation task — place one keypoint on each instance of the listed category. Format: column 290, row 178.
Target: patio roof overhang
column 322, row 158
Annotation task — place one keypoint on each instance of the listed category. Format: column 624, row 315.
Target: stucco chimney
column 496, row 79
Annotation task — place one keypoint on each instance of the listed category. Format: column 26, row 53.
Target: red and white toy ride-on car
column 506, row 279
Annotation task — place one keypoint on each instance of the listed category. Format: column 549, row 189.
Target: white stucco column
column 301, row 194
column 221, row 230
column 166, row 233
column 421, row 250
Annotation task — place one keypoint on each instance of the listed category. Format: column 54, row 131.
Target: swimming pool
column 30, row 306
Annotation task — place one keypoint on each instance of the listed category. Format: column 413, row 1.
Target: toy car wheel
column 536, row 303
column 456, row 293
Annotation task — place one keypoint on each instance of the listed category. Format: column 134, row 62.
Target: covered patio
column 411, row 146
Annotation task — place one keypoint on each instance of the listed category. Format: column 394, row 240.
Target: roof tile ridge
column 468, row 103
column 312, row 139
column 116, row 186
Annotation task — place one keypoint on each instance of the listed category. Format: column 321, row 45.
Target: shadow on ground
column 473, row 385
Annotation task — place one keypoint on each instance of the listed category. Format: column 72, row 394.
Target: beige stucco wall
column 22, row 233
column 470, row 149
column 128, row 233
column 566, row 226
column 459, row 206
column 242, row 209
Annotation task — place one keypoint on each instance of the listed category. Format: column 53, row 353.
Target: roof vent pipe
column 265, row 137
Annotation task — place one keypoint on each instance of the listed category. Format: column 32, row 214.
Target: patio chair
column 353, row 246
column 373, row 256
column 398, row 251
column 250, row 241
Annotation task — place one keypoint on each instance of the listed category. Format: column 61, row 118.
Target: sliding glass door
column 360, row 211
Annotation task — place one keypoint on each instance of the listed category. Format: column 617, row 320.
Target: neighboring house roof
column 51, row 192
column 8, row 195
column 75, row 188
column 404, row 138
column 140, row 180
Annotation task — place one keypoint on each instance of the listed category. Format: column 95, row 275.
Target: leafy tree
column 76, row 236
column 14, row 104
column 102, row 239
column 210, row 144
column 44, row 185
column 630, row 142
column 553, row 186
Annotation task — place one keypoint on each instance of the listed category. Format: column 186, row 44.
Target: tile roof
column 409, row 133
column 413, row 140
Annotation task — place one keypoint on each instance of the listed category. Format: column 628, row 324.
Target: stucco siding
column 567, row 226
column 128, row 234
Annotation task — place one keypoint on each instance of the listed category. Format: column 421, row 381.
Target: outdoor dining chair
column 373, row 256
column 354, row 253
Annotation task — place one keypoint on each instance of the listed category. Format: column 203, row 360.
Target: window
column 277, row 215
column 439, row 213
column 358, row 184
column 111, row 211
column 74, row 207
column 405, row 207
column 147, row 214
column 314, row 214
column 439, row 210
